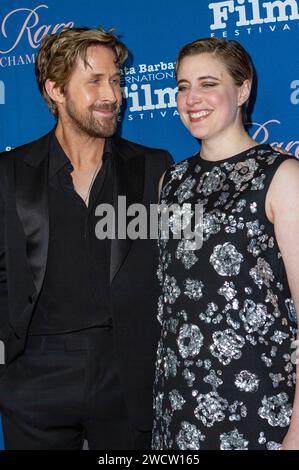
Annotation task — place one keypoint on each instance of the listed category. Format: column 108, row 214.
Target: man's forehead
column 97, row 58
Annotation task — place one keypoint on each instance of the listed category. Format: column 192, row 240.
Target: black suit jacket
column 24, row 237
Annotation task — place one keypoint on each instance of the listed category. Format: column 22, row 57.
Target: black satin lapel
column 129, row 182
column 32, row 208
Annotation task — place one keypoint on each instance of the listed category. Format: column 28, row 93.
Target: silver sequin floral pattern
column 226, row 260
column 224, row 372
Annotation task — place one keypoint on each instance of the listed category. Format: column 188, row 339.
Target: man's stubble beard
column 87, row 124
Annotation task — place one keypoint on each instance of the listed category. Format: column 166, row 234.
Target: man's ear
column 54, row 91
column 244, row 92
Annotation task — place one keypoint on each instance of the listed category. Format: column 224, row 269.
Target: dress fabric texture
column 225, row 370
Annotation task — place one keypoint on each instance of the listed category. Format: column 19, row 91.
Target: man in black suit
column 77, row 314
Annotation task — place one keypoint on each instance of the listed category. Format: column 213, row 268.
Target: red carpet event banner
column 154, row 32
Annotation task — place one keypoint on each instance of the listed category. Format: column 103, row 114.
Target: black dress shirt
column 76, row 290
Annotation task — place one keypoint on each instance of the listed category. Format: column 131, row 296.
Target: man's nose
column 108, row 93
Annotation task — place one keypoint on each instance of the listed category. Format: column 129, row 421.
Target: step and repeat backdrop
column 154, row 31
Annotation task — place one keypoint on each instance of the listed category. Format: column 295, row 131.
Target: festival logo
column 253, row 16
column 26, row 27
column 150, row 91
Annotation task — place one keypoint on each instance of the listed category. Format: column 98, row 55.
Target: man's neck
column 82, row 150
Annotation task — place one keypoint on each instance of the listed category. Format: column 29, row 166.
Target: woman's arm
column 282, row 207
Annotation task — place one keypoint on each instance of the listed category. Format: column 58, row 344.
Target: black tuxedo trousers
column 65, row 389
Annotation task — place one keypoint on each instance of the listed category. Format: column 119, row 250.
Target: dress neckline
column 235, row 158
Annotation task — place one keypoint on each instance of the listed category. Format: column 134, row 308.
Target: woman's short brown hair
column 59, row 53
column 232, row 55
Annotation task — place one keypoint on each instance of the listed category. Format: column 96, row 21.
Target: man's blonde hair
column 59, row 53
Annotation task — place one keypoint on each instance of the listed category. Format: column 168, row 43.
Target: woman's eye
column 209, row 84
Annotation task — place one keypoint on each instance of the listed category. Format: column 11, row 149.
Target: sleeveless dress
column 225, row 370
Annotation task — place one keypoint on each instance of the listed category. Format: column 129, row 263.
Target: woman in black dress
column 226, row 361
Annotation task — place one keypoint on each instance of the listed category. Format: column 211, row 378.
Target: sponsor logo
column 2, row 92
column 253, row 15
column 295, row 94
column 261, row 133
column 25, row 25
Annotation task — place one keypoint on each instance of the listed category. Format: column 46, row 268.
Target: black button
column 31, row 299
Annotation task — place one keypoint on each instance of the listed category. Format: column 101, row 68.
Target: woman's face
column 208, row 100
